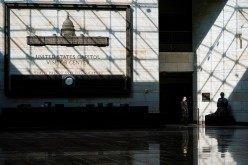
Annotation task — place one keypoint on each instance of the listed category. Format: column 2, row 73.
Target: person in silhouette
column 184, row 110
column 222, row 106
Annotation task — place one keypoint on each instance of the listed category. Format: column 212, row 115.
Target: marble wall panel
column 96, row 23
column 243, row 3
column 185, row 67
column 170, row 67
column 228, row 56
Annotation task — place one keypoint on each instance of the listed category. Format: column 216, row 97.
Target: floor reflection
column 223, row 145
column 185, row 141
column 117, row 147
column 180, row 145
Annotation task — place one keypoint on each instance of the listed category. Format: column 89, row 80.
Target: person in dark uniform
column 184, row 110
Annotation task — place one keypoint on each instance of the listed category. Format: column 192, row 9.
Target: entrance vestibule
column 173, row 86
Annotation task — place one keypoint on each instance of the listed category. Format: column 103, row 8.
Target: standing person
column 184, row 110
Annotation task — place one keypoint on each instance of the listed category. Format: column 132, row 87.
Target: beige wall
column 221, row 58
column 176, row 61
column 145, row 61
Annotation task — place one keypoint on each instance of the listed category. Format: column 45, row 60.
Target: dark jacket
column 184, row 108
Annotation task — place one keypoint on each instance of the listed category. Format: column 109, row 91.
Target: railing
column 175, row 37
column 175, row 41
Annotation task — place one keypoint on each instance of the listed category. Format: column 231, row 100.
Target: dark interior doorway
column 173, row 86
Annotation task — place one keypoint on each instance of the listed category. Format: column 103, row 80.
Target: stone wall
column 145, row 57
column 220, row 35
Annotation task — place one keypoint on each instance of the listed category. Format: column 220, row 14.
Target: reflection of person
column 185, row 142
column 184, row 110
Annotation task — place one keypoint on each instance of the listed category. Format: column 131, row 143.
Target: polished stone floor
column 171, row 144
